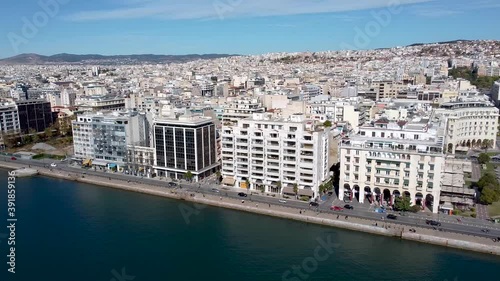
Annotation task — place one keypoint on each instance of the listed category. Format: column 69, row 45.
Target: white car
column 53, row 165
column 282, row 201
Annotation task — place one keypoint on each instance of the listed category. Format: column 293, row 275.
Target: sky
column 175, row 27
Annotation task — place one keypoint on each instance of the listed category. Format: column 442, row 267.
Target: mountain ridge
column 32, row 58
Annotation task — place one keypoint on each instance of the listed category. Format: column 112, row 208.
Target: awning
column 99, row 163
column 228, row 181
column 87, row 162
column 306, row 192
column 288, row 190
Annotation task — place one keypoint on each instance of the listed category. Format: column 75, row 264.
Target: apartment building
column 241, row 109
column 273, row 155
column 470, row 122
column 9, row 118
column 187, row 143
column 390, row 159
column 104, row 138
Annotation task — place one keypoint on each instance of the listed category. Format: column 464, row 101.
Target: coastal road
column 473, row 227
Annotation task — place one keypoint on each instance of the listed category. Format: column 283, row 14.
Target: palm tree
column 295, row 189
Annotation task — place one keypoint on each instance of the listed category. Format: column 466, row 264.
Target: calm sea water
column 73, row 232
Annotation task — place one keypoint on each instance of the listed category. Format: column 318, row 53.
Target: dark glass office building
column 185, row 144
column 34, row 114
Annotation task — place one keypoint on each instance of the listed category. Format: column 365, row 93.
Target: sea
column 69, row 231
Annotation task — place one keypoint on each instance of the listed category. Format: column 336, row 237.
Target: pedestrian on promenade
column 346, row 217
column 242, row 201
column 257, row 205
column 269, row 205
column 338, row 216
column 300, row 212
column 221, row 198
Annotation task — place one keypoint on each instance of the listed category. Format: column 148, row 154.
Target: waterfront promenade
column 190, row 197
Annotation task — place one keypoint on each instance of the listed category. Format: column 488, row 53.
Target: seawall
column 462, row 244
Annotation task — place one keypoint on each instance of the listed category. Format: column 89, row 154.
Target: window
column 382, row 135
column 415, row 137
column 407, row 174
column 373, row 134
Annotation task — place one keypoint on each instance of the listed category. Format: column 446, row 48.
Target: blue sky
column 237, row 26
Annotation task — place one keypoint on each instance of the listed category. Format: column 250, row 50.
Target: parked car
column 433, row 223
column 392, row 217
column 313, row 204
column 215, row 190
column 336, row 208
column 172, row 184
column 349, row 207
column 282, row 201
column 242, row 194
column 53, row 165
column 13, row 158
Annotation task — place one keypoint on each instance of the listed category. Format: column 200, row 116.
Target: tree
column 327, row 123
column 415, row 208
column 48, row 132
column 189, row 176
column 489, row 195
column 487, row 179
column 295, row 188
column 483, row 158
column 34, row 135
column 402, row 203
column 218, row 175
column 278, row 185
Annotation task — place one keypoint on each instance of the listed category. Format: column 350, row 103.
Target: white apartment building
column 241, row 109
column 311, row 91
column 9, row 118
column 471, row 122
column 104, row 138
column 274, row 154
column 390, row 159
column 68, row 97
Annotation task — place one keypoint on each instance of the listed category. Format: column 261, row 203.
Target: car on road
column 433, row 223
column 485, row 230
column 392, row 217
column 13, row 158
column 172, row 184
column 336, row 208
column 53, row 165
column 349, row 207
column 215, row 190
column 242, row 194
column 313, row 204
column 282, row 201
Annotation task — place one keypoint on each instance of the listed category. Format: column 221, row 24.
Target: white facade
column 68, row 98
column 388, row 160
column 105, row 137
column 267, row 152
column 9, row 118
column 470, row 123
column 241, row 109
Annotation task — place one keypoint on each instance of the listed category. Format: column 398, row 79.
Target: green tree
column 483, row 158
column 489, row 195
column 415, row 208
column 189, row 176
column 402, row 203
column 295, row 188
column 34, row 135
column 278, row 185
column 218, row 175
column 48, row 132
column 487, row 179
column 327, row 123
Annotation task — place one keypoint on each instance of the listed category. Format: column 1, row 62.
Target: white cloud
column 213, row 9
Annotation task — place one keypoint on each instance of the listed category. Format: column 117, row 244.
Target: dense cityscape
column 389, row 131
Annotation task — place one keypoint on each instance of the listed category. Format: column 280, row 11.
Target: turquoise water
column 73, row 232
